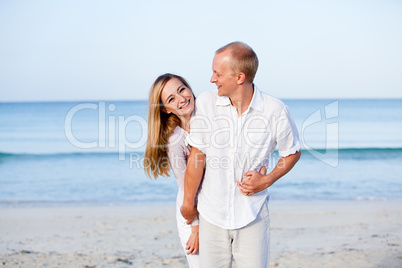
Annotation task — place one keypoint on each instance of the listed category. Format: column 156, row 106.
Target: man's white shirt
column 234, row 145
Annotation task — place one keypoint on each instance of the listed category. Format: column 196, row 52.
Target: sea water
column 63, row 153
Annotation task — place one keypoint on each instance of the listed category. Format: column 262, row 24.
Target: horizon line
column 134, row 100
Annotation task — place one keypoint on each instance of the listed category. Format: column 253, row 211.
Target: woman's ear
column 163, row 109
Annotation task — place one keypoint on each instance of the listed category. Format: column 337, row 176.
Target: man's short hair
column 243, row 59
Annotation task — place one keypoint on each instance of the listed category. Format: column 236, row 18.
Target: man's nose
column 213, row 78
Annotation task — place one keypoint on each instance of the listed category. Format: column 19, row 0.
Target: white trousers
column 249, row 246
column 184, row 233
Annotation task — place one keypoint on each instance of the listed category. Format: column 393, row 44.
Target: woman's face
column 177, row 99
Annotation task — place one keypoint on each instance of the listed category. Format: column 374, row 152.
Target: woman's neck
column 185, row 124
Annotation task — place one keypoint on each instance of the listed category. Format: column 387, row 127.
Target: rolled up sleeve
column 287, row 135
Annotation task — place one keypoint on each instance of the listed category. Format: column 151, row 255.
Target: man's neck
column 242, row 99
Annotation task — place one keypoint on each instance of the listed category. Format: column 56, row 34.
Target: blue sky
column 113, row 50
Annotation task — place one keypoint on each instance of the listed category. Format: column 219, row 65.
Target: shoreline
column 273, row 200
column 330, row 234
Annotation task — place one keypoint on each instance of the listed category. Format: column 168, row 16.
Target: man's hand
column 189, row 212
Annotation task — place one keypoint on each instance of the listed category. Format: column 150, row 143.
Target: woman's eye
column 169, row 100
column 182, row 89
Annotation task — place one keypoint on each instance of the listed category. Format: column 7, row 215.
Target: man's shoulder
column 272, row 102
column 205, row 103
column 207, row 95
column 205, row 100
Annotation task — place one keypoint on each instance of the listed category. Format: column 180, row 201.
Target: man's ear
column 241, row 77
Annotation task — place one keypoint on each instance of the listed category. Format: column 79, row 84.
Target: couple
column 216, row 148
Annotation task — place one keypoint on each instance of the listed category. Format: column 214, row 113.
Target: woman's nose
column 182, row 98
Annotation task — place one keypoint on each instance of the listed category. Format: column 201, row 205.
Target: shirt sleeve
column 177, row 160
column 287, row 135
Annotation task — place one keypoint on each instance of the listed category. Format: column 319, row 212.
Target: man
column 235, row 129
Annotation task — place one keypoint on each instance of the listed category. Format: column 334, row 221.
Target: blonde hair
column 242, row 59
column 160, row 126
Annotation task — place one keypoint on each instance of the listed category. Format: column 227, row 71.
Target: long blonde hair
column 160, row 126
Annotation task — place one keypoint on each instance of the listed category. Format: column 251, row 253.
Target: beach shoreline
column 325, row 234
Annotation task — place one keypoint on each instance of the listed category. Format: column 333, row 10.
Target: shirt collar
column 256, row 103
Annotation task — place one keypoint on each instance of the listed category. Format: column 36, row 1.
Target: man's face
column 222, row 75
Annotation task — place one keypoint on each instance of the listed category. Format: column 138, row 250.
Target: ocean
column 85, row 153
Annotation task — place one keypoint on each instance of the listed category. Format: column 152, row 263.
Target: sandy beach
column 343, row 234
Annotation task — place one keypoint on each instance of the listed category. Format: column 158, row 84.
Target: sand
column 343, row 234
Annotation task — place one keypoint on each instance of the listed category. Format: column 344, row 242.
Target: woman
column 170, row 106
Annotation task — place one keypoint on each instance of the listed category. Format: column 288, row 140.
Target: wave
column 358, row 150
column 340, row 151
column 63, row 154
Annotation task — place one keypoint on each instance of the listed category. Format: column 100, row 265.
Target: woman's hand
column 192, row 244
column 252, row 178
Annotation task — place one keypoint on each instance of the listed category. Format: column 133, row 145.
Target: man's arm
column 192, row 180
column 253, row 182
